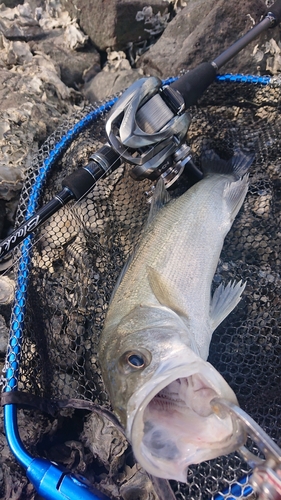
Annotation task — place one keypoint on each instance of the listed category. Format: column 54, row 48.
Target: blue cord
column 238, row 78
column 241, row 488
column 37, row 474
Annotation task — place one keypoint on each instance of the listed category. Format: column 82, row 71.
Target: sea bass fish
column 159, row 325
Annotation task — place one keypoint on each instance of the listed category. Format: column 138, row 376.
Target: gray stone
column 12, row 3
column 115, row 77
column 114, row 24
column 19, row 23
column 107, row 83
column 191, row 38
column 72, row 64
column 4, row 333
column 35, row 93
column 33, row 102
column 108, row 445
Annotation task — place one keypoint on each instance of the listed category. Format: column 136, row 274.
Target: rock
column 116, row 76
column 4, row 333
column 33, row 97
column 138, row 485
column 268, row 56
column 191, row 38
column 3, row 215
column 98, row 428
column 72, row 64
column 120, row 21
column 12, row 3
column 18, row 23
column 109, row 448
column 14, row 52
column 33, row 101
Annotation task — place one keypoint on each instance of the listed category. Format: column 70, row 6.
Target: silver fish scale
column 179, row 248
column 76, row 264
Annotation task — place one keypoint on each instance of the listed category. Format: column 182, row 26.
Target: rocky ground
column 56, row 56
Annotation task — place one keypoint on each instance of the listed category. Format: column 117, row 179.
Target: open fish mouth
column 175, row 426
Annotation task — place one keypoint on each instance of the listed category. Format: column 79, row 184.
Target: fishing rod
column 146, row 127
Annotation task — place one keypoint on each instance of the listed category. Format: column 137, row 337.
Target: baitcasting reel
column 147, row 127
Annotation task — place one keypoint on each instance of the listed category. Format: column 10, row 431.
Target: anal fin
column 224, row 300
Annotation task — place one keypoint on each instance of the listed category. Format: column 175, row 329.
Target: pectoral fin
column 166, row 292
column 224, row 300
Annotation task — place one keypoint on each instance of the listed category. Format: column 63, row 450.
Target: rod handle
column 193, row 84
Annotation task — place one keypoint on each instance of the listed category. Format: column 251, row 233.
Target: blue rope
column 233, row 78
column 238, row 78
column 18, row 315
column 241, row 488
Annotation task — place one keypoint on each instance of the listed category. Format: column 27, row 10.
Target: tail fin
column 237, row 166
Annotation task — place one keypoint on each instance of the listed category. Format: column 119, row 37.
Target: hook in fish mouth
column 174, row 425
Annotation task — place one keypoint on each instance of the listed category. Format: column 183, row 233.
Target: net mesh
column 78, row 254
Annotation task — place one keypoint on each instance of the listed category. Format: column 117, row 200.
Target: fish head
column 133, row 351
column 162, row 390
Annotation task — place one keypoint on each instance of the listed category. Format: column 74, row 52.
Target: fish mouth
column 172, row 424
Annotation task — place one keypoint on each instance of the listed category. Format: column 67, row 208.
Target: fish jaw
column 170, row 422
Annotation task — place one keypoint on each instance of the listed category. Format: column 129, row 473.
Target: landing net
column 79, row 253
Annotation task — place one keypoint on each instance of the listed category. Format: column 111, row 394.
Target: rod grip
column 193, row 84
column 81, row 181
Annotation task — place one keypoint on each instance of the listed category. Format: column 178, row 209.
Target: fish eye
column 135, row 360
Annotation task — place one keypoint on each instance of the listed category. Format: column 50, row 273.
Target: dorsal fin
column 159, row 199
